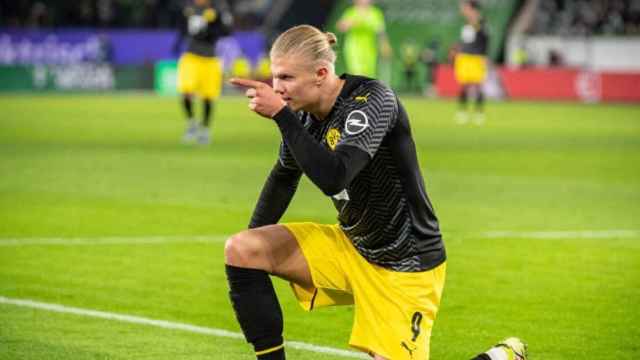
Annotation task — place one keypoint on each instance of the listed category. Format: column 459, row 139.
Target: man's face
column 201, row 3
column 362, row 2
column 295, row 80
column 467, row 10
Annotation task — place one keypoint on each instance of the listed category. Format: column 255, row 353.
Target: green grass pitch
column 561, row 182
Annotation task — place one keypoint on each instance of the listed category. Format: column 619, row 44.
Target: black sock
column 462, row 99
column 482, row 356
column 188, row 107
column 258, row 311
column 480, row 99
column 206, row 116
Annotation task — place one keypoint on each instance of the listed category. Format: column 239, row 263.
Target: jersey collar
column 351, row 83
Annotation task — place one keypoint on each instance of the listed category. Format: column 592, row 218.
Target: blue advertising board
column 118, row 47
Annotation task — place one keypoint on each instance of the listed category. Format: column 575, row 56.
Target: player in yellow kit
column 471, row 62
column 199, row 71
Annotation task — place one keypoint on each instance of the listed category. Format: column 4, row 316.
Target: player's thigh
column 271, row 248
column 187, row 74
column 211, row 76
column 470, row 69
column 460, row 68
column 408, row 303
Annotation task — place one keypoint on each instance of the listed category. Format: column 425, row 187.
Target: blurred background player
column 199, row 71
column 410, row 55
column 364, row 28
column 471, row 61
column 429, row 58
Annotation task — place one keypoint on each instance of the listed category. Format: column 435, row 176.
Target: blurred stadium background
column 589, row 49
column 103, row 209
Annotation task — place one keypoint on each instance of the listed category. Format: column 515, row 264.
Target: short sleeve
column 348, row 14
column 366, row 126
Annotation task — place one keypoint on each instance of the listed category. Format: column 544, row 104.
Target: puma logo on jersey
column 410, row 348
column 363, row 98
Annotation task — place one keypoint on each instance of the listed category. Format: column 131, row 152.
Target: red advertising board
column 554, row 84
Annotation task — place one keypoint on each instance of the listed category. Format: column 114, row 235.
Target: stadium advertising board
column 567, row 84
column 93, row 59
column 118, row 47
column 75, row 77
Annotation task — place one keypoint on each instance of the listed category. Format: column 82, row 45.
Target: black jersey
column 384, row 210
column 475, row 40
column 203, row 27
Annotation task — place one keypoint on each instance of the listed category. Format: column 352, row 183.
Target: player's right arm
column 182, row 31
column 346, row 21
column 277, row 193
column 330, row 170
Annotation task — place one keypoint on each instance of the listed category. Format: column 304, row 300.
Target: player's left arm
column 182, row 31
column 276, row 195
column 380, row 29
column 487, row 39
column 225, row 20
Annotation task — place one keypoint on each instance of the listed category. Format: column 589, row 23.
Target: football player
column 199, row 71
column 471, row 62
column 351, row 136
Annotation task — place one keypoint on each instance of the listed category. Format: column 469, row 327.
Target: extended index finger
column 246, row 82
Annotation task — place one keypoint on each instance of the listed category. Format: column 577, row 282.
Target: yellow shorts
column 470, row 69
column 199, row 75
column 394, row 311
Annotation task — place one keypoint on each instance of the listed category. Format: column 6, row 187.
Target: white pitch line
column 114, row 240
column 169, row 325
column 177, row 239
column 576, row 234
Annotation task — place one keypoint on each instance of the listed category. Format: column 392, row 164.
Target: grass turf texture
column 112, row 165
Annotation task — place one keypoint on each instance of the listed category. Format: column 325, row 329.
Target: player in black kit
column 199, row 71
column 351, row 136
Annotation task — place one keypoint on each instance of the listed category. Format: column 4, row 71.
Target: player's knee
column 243, row 250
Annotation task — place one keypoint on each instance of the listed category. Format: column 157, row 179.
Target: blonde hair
column 308, row 42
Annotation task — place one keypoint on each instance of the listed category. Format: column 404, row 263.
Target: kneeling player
column 351, row 136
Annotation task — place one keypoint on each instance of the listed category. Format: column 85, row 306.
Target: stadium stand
column 586, row 18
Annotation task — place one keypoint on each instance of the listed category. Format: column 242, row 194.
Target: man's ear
column 321, row 75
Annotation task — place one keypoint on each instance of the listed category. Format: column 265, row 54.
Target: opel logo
column 356, row 123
